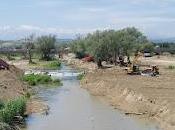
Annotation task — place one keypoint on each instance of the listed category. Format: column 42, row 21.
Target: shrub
column 80, row 76
column 4, row 126
column 11, row 109
column 33, row 79
column 80, row 55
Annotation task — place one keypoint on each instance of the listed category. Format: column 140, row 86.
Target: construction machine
column 134, row 68
column 151, row 71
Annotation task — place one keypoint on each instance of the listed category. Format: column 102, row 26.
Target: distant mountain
column 170, row 40
column 10, row 44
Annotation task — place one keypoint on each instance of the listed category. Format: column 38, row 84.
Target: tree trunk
column 115, row 58
column 30, row 56
column 99, row 63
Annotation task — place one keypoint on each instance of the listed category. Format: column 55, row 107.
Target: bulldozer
column 134, row 68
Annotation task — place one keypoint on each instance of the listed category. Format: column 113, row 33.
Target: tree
column 148, row 47
column 46, row 46
column 131, row 40
column 110, row 44
column 29, row 45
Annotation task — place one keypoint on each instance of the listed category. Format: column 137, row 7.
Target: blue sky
column 66, row 18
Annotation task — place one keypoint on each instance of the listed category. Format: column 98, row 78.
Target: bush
column 80, row 55
column 4, row 126
column 80, row 76
column 33, row 79
column 11, row 109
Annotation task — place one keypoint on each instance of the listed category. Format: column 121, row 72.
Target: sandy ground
column 162, row 61
column 146, row 97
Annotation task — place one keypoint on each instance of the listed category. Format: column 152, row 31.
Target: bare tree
column 29, row 45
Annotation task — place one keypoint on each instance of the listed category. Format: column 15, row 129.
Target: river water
column 73, row 108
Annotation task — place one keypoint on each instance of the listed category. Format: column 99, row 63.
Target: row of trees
column 166, row 47
column 110, row 44
column 44, row 46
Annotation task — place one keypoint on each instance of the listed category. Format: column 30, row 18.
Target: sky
column 67, row 18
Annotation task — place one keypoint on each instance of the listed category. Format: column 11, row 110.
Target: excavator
column 134, row 68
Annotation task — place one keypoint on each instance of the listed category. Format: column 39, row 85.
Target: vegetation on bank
column 36, row 79
column 12, row 110
column 110, row 44
column 53, row 65
column 80, row 76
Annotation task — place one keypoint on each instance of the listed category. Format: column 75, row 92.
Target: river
column 73, row 108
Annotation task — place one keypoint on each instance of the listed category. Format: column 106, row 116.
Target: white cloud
column 24, row 30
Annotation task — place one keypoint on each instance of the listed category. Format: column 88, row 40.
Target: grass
column 171, row 67
column 36, row 79
column 11, row 109
column 53, row 65
column 80, row 76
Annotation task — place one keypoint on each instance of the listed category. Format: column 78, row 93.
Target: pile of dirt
column 71, row 60
column 10, row 84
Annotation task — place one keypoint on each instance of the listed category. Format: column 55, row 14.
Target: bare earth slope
column 10, row 84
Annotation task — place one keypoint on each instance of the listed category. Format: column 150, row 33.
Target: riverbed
column 73, row 108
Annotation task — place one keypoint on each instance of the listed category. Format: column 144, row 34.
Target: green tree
column 46, row 46
column 131, row 40
column 110, row 44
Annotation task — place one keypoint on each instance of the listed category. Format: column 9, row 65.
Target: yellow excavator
column 134, row 68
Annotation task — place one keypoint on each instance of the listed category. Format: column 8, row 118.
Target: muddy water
column 73, row 108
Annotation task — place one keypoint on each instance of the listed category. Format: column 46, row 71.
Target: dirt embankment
column 12, row 87
column 148, row 97
column 10, row 84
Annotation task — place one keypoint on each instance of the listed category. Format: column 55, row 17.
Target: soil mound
column 10, row 84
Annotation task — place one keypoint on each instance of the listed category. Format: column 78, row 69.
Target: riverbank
column 144, row 97
column 37, row 64
column 13, row 88
column 12, row 98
